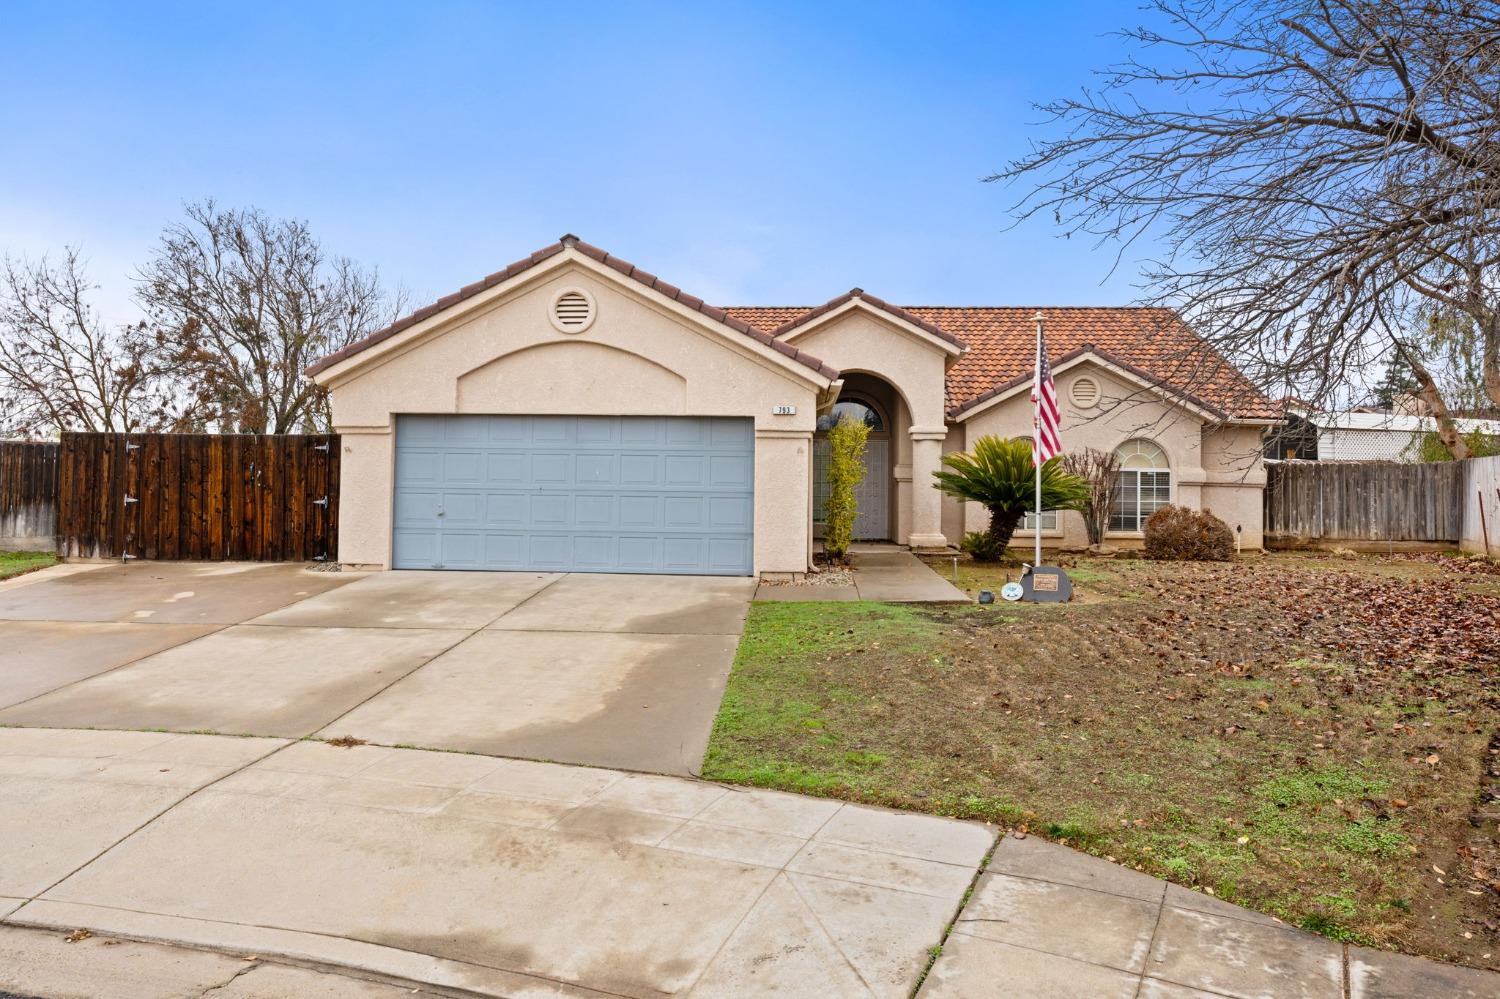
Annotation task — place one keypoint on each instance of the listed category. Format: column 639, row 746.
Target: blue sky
column 753, row 154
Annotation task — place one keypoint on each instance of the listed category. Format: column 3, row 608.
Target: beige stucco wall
column 860, row 341
column 638, row 358
column 1217, row 466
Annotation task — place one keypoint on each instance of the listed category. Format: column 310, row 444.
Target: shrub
column 982, row 546
column 846, row 468
column 1000, row 474
column 1179, row 534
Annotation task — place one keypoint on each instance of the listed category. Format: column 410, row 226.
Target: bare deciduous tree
column 1100, row 471
column 242, row 304
column 1320, row 173
column 62, row 369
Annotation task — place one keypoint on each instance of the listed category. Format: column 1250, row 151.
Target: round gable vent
column 572, row 310
column 1085, row 392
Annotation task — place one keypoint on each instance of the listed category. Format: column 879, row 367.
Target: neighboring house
column 573, row 412
column 1365, row 436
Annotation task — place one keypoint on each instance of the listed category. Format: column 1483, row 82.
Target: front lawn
column 1304, row 736
column 17, row 563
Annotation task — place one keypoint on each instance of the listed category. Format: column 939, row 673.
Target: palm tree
column 1000, row 473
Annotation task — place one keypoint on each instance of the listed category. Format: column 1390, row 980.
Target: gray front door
column 670, row 494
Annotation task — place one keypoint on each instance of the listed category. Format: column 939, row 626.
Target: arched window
column 1143, row 487
column 855, row 410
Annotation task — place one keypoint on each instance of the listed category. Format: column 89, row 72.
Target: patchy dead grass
column 1305, row 736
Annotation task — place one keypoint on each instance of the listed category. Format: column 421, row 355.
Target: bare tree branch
column 242, row 304
column 1320, row 174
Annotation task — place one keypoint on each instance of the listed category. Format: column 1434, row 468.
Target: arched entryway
column 874, row 402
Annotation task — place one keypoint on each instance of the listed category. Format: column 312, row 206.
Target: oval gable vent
column 1085, row 392
column 572, row 310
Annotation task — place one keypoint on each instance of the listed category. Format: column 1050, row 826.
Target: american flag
column 1047, row 439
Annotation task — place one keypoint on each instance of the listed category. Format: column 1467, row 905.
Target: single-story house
column 574, row 412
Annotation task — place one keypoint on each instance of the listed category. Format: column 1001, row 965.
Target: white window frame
column 1130, row 453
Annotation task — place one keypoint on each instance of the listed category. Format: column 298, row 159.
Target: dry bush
column 1175, row 533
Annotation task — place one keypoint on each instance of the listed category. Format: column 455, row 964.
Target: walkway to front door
column 881, row 572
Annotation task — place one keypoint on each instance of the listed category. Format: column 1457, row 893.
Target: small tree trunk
column 1003, row 527
column 1429, row 393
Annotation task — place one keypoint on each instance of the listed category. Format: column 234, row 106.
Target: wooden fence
column 1310, row 502
column 198, row 496
column 28, row 495
column 1481, row 528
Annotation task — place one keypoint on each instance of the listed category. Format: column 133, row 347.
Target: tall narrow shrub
column 846, row 469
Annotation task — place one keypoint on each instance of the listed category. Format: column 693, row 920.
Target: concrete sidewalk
column 497, row 877
column 882, row 572
column 1050, row 921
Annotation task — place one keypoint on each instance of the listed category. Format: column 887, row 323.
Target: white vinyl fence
column 1481, row 505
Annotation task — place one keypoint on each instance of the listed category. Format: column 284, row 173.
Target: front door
column 872, row 519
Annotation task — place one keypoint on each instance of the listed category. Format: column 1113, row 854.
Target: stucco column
column 926, row 502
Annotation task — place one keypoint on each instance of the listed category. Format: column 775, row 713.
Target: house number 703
column 784, row 411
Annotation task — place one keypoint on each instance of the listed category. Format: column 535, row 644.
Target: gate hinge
column 322, row 501
column 131, row 499
column 129, row 447
column 320, row 447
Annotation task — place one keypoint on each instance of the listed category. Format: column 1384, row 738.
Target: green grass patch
column 19, row 563
column 1183, row 732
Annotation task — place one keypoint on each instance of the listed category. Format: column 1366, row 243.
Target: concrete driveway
column 620, row 671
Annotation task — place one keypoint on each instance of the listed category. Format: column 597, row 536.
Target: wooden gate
column 209, row 497
column 28, row 494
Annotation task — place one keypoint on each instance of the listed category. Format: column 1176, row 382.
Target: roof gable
column 572, row 244
column 1000, row 340
column 858, row 298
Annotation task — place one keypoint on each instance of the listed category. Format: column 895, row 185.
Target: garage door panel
column 732, row 434
column 504, row 551
column 505, row 510
column 684, row 470
column 593, row 494
column 415, row 547
column 726, row 553
column 463, row 466
column 462, row 509
column 550, row 468
column 594, row 513
column 595, row 470
column 640, row 469
column 505, row 468
column 683, row 513
column 461, row 549
column 641, row 430
column 639, row 554
column 640, row 512
column 552, row 429
column 419, row 508
column 731, row 513
column 729, row 471
column 689, row 432
column 595, row 430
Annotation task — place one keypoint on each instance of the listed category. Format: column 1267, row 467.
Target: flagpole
column 1036, row 430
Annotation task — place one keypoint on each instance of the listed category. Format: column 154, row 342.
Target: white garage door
column 665, row 494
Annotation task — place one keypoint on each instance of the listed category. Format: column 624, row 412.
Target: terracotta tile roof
column 1153, row 343
column 623, row 266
